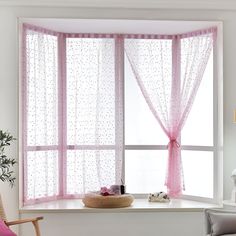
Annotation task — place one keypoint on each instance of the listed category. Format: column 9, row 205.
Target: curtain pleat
column 169, row 72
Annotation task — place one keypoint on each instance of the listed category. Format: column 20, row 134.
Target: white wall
column 117, row 224
column 9, row 96
column 9, row 100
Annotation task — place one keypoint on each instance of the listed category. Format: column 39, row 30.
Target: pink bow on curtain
column 169, row 70
column 174, row 185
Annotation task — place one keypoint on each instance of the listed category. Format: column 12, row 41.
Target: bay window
column 89, row 119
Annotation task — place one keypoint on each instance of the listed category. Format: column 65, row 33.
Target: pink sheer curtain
column 94, row 133
column 72, row 113
column 40, row 114
column 72, row 97
column 169, row 70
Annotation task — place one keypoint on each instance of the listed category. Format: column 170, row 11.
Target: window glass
column 145, row 170
column 198, row 173
column 90, row 91
column 42, row 174
column 141, row 127
column 198, row 129
column 88, row 170
column 42, row 89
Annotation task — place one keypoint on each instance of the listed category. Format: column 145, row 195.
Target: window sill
column 139, row 205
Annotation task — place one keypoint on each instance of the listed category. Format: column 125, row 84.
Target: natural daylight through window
column 99, row 109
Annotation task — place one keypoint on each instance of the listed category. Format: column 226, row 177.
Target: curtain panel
column 72, row 94
column 169, row 72
column 73, row 104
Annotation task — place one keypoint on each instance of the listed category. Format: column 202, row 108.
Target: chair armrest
column 16, row 222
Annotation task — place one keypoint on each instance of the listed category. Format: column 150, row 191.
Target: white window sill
column 139, row 205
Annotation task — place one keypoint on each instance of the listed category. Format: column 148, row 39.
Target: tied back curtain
column 72, row 114
column 169, row 72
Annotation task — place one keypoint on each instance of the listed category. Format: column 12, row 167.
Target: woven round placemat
column 113, row 201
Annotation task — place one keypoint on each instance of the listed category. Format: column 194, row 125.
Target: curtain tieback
column 173, row 142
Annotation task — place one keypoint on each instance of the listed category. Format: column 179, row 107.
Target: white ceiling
column 119, row 26
column 138, row 4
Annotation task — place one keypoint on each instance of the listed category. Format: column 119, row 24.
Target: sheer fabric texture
column 72, row 114
column 40, row 96
column 169, row 72
column 72, row 97
column 91, row 115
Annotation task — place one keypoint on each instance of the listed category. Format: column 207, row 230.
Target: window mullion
column 217, row 117
column 176, row 81
column 62, row 107
column 24, row 113
column 165, row 147
column 119, row 108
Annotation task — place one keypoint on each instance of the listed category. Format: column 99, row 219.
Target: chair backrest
column 2, row 212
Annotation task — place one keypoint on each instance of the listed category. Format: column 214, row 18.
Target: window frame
column 217, row 127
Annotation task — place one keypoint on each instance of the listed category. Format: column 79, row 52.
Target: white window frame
column 217, row 147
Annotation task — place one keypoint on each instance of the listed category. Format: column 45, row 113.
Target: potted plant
column 6, row 164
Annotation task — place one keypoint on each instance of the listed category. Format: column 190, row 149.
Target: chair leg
column 36, row 227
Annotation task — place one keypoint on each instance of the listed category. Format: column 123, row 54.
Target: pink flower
column 104, row 191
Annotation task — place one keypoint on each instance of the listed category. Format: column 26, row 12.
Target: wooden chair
column 34, row 221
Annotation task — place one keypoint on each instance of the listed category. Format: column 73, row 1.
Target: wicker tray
column 115, row 201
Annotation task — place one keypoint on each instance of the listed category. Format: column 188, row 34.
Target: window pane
column 145, row 170
column 90, row 91
column 141, row 127
column 42, row 89
column 198, row 173
column 198, row 129
column 42, row 174
column 89, row 170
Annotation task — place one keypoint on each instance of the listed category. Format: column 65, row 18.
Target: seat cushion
column 4, row 230
column 222, row 223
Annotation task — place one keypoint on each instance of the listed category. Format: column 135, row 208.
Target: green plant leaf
column 6, row 164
